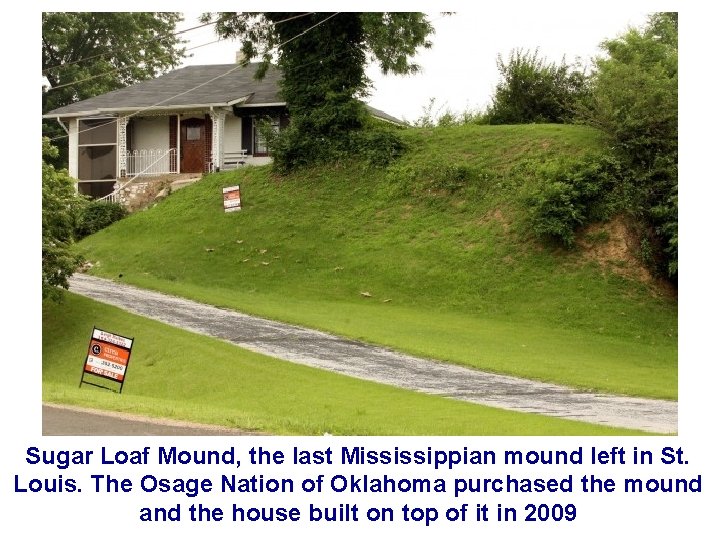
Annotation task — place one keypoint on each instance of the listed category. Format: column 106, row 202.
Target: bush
column 635, row 101
column 376, row 145
column 534, row 91
column 60, row 208
column 96, row 215
column 569, row 197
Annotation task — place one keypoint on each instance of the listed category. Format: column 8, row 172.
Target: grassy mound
column 432, row 256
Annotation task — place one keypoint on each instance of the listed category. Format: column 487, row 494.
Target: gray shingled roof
column 218, row 84
column 377, row 113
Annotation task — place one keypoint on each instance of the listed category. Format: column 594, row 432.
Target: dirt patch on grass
column 615, row 246
column 496, row 216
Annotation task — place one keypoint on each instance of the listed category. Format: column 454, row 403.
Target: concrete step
column 183, row 182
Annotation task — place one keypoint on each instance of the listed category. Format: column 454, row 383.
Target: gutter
column 71, row 115
column 102, row 110
column 276, row 104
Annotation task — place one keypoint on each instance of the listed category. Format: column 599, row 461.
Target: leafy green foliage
column 569, row 197
column 60, row 207
column 88, row 54
column 635, row 101
column 377, row 145
column 532, row 90
column 97, row 215
column 322, row 57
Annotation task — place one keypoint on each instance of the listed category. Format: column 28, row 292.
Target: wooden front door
column 192, row 145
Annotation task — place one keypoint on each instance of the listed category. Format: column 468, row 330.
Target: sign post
column 231, row 198
column 108, row 357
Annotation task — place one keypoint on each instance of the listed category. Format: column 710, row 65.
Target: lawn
column 172, row 372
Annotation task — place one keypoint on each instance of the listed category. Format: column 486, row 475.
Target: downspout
column 62, row 125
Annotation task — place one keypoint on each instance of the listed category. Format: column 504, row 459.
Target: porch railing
column 149, row 166
column 151, row 162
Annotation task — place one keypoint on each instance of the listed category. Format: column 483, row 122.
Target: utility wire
column 228, row 72
column 122, row 68
column 158, row 38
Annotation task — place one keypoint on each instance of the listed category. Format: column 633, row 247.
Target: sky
column 460, row 70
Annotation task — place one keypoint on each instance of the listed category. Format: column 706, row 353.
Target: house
column 192, row 120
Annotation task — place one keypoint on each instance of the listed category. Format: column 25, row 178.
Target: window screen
column 98, row 131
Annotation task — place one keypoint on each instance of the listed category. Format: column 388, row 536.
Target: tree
column 531, row 90
column 87, row 54
column 322, row 57
column 60, row 206
column 635, row 101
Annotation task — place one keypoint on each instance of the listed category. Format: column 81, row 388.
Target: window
column 97, row 162
column 193, row 133
column 97, row 149
column 261, row 148
column 97, row 131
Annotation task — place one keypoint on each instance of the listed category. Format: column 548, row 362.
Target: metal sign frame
column 108, row 357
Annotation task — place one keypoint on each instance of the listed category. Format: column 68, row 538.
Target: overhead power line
column 122, row 68
column 159, row 38
column 105, row 53
column 228, row 72
column 116, row 70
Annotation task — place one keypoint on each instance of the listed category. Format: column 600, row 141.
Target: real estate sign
column 231, row 198
column 107, row 357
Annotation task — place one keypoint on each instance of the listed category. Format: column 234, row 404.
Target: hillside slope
column 431, row 255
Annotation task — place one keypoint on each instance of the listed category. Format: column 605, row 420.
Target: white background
column 616, row 515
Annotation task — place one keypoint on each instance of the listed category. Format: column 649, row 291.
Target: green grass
column 172, row 372
column 438, row 240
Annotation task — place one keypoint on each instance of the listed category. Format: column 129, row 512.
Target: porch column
column 122, row 123
column 218, row 132
column 73, row 137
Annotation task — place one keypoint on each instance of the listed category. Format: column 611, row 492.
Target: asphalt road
column 66, row 420
column 382, row 365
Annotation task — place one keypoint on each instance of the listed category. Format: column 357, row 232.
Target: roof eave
column 72, row 114
column 117, row 110
column 269, row 104
column 398, row 123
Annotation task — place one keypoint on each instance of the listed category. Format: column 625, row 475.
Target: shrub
column 376, row 145
column 635, row 101
column 97, row 215
column 555, row 212
column 570, row 196
column 60, row 207
column 531, row 90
